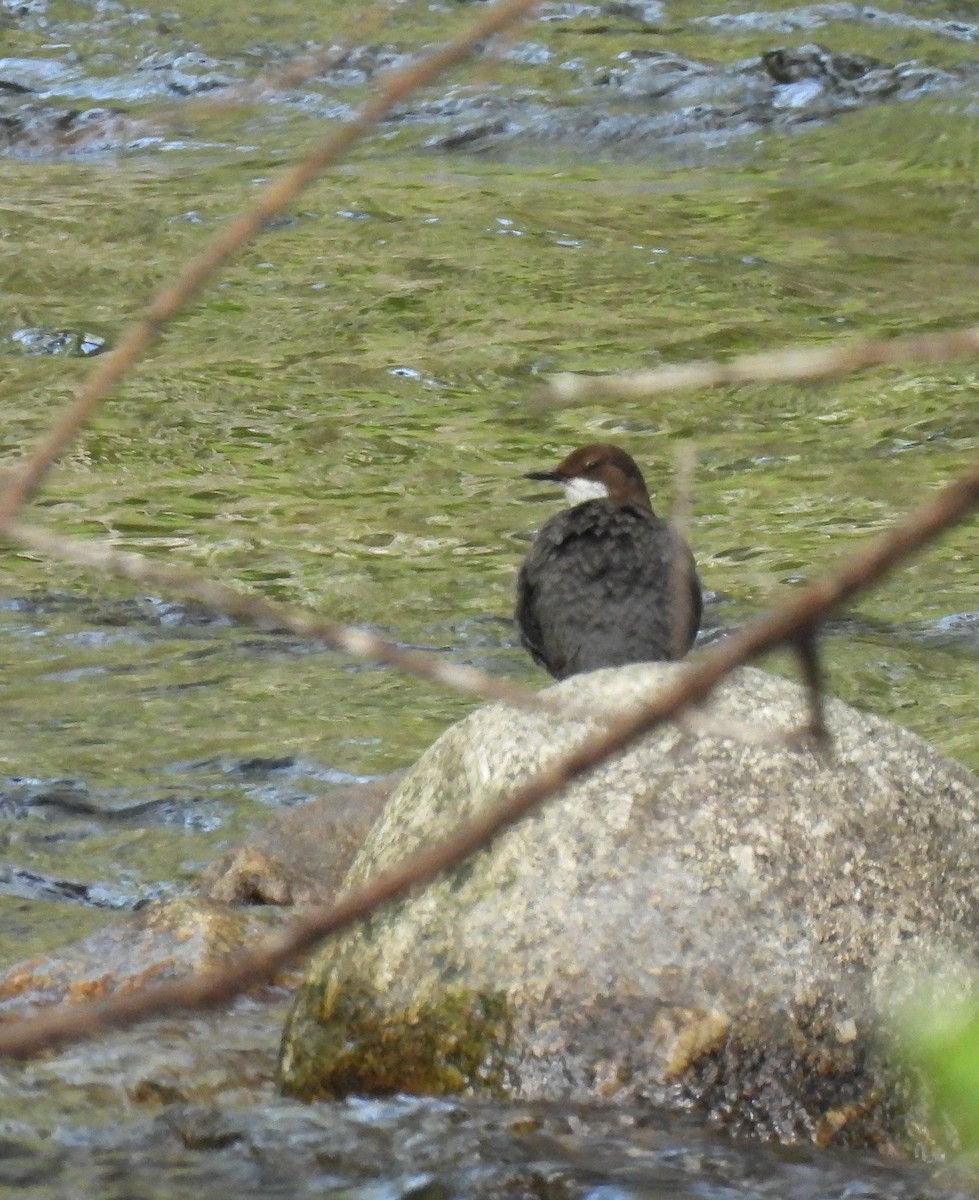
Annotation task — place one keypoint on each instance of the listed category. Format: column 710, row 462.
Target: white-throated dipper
column 606, row 582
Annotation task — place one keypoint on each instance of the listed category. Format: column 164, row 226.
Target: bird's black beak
column 552, row 476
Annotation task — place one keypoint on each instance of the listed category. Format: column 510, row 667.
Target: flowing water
column 342, row 420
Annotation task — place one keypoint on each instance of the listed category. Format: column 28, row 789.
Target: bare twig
column 681, row 568
column 265, row 613
column 172, row 298
column 777, row 365
column 786, row 623
column 806, row 647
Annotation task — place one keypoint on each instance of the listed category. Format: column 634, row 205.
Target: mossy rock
column 727, row 916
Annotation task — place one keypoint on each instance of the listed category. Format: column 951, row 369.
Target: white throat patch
column 578, row 489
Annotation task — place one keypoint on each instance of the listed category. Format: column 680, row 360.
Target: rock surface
column 724, row 918
column 302, row 854
column 166, row 940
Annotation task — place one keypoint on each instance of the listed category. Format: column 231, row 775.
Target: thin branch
column 267, row 614
column 786, row 623
column 790, row 365
column 109, row 369
column 680, row 566
column 806, row 647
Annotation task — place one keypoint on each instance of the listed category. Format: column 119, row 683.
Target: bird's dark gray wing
column 604, row 585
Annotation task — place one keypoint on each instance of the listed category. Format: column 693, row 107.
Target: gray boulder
column 725, row 918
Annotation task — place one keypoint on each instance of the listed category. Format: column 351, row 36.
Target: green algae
column 342, row 1039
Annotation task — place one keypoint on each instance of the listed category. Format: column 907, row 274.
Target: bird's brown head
column 599, row 471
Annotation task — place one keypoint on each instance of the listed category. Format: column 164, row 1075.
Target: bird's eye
column 592, row 465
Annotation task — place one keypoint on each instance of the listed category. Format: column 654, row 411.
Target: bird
column 606, row 582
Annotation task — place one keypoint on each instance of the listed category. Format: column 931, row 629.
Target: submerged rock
column 41, row 130
column 186, row 72
column 648, row 96
column 165, row 940
column 39, row 339
column 302, row 854
column 812, row 16
column 724, row 918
